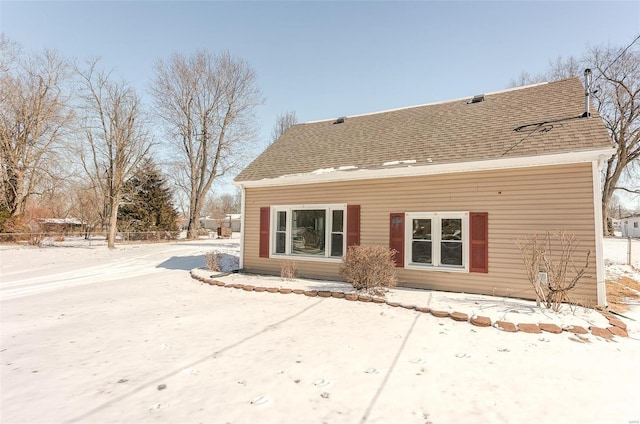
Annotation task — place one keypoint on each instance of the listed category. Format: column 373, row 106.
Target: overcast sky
column 330, row 59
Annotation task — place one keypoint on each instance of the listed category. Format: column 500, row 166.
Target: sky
column 329, row 59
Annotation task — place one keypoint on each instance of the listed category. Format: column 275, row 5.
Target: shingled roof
column 536, row 120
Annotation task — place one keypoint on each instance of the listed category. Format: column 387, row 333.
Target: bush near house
column 369, row 268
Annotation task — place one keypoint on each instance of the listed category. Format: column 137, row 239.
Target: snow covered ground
column 126, row 335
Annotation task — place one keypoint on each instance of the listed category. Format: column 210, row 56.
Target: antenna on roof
column 588, row 78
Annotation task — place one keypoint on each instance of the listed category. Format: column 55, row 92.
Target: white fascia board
column 596, row 170
column 243, row 205
column 433, row 169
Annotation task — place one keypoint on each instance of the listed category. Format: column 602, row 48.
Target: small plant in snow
column 212, row 260
column 370, row 268
column 550, row 266
column 288, row 270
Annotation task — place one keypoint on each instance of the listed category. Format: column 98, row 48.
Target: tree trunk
column 194, row 223
column 16, row 196
column 113, row 225
column 605, row 217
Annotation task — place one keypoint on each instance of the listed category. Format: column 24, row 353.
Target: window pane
column 280, row 242
column 336, row 244
column 451, row 253
column 451, row 229
column 422, row 229
column 307, row 232
column 421, row 252
column 336, row 226
column 282, row 221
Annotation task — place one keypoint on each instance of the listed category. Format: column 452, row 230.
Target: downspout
column 596, row 166
column 242, row 215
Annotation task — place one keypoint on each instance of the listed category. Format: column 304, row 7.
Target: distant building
column 229, row 221
column 61, row 225
column 630, row 226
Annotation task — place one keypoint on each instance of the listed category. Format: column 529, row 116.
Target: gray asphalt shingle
column 530, row 121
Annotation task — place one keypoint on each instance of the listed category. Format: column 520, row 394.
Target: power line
column 617, row 57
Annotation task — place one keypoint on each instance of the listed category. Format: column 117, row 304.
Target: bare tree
column 207, row 103
column 220, row 206
column 617, row 98
column 34, row 117
column 85, row 205
column 558, row 69
column 284, row 121
column 618, row 103
column 116, row 135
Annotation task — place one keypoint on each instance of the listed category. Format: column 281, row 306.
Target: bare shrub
column 550, row 266
column 36, row 239
column 288, row 269
column 370, row 268
column 212, row 260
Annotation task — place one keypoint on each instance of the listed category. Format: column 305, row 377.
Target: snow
column 323, row 171
column 126, row 335
column 618, row 250
column 399, row 162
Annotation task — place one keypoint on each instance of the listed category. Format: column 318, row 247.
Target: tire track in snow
column 82, row 280
column 122, row 264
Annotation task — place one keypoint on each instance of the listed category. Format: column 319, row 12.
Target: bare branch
column 115, row 129
column 207, row 104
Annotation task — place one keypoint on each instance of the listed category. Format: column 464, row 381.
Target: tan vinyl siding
column 519, row 202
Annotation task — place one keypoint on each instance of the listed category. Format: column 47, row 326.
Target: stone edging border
column 617, row 327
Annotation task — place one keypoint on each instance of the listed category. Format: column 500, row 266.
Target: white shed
column 630, row 226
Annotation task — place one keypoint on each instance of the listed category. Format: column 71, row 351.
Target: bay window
column 314, row 231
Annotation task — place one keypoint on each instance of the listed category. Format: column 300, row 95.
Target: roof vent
column 476, row 99
column 340, row 120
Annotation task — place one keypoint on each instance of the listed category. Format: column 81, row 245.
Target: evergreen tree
column 148, row 204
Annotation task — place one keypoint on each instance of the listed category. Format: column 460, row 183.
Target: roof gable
column 530, row 121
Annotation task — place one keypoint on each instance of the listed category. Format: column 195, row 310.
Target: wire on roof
column 539, row 127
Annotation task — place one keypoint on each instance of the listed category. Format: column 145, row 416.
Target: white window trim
column 329, row 208
column 436, row 218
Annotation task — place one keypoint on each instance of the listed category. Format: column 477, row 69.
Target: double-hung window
column 314, row 231
column 437, row 240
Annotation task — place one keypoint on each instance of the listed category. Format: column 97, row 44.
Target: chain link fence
column 93, row 239
column 623, row 250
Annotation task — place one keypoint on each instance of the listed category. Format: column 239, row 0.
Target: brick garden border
column 616, row 328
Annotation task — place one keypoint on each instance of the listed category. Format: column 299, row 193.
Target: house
column 450, row 186
column 630, row 226
column 233, row 221
column 208, row 223
column 60, row 225
column 229, row 221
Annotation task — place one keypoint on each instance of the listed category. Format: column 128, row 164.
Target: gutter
column 357, row 174
column 242, row 232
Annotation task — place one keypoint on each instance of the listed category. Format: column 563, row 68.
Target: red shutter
column 265, row 215
column 353, row 225
column 396, row 237
column 479, row 242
